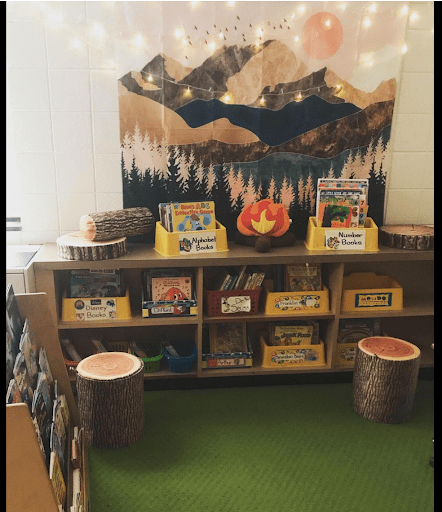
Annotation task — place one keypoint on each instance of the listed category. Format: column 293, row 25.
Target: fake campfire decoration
column 264, row 225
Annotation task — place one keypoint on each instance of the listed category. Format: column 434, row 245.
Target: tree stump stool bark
column 75, row 247
column 384, row 379
column 110, row 387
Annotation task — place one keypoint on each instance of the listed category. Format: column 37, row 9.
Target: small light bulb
column 98, row 31
column 366, row 22
column 328, row 23
column 178, row 33
column 342, row 7
column 212, row 46
column 299, row 97
column 301, row 9
column 296, row 39
column 149, row 78
column 338, row 88
column 414, row 16
column 76, row 43
column 220, row 35
column 404, row 10
column 262, row 100
column 404, row 48
column 372, row 8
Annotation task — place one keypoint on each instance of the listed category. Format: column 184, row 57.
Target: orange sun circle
column 322, row 35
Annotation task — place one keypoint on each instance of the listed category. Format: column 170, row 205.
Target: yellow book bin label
column 369, row 300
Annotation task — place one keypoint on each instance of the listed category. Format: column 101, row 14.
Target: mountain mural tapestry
column 240, row 101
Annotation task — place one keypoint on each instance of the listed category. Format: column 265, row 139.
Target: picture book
column 228, row 338
column 281, row 327
column 338, row 208
column 21, row 376
column 86, row 283
column 14, row 322
column 29, row 349
column 57, row 479
column 165, row 212
column 13, row 395
column 42, row 390
column 46, row 369
column 172, row 288
column 193, row 216
column 293, row 335
column 69, row 350
column 303, row 277
column 11, row 354
column 337, row 198
column 352, row 330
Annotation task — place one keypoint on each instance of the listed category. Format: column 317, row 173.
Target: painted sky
column 360, row 41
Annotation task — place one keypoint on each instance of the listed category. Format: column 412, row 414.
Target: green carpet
column 294, row 448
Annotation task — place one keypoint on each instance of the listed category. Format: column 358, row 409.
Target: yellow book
column 293, row 334
column 56, row 477
column 193, row 216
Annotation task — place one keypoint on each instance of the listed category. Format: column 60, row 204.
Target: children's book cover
column 303, row 277
column 172, row 288
column 193, row 216
column 338, row 208
column 293, row 335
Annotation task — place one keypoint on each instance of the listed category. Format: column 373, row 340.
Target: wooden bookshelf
column 28, row 487
column 414, row 270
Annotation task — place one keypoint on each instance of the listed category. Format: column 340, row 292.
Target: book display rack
column 413, row 270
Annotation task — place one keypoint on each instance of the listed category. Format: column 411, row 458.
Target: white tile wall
column 63, row 99
column 410, row 181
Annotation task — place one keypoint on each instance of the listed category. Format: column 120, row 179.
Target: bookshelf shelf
column 414, row 270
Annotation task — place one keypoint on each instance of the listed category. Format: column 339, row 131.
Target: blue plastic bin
column 184, row 363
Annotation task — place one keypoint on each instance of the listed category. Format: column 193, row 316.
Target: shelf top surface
column 144, row 255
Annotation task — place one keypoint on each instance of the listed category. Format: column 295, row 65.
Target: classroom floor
column 281, row 448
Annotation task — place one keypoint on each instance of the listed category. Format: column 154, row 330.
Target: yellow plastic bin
column 343, row 239
column 367, row 291
column 188, row 243
column 345, row 354
column 292, row 303
column 96, row 308
column 291, row 356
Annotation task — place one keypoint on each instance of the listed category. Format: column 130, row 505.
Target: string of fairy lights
column 97, row 33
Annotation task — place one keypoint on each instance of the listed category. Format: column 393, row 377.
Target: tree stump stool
column 384, row 379
column 110, row 387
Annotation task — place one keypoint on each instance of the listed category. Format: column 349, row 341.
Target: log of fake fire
column 110, row 387
column 117, row 223
column 419, row 238
column 384, row 379
column 75, row 247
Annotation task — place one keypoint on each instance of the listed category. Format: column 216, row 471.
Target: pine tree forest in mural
column 259, row 117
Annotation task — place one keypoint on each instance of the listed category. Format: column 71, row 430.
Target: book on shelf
column 28, row 346
column 301, row 329
column 187, row 216
column 57, row 479
column 242, row 276
column 341, row 202
column 23, row 380
column 193, row 216
column 84, row 283
column 352, row 330
column 14, row 329
column 168, row 284
column 100, row 344
column 293, row 335
column 13, row 395
column 300, row 277
column 70, row 351
column 228, row 338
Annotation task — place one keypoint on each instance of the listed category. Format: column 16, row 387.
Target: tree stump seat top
column 108, row 366
column 388, row 348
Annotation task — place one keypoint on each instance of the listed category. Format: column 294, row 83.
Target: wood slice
column 117, row 223
column 407, row 236
column 110, row 388
column 75, row 247
column 385, row 378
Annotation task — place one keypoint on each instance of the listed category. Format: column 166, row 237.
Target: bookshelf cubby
column 414, row 270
